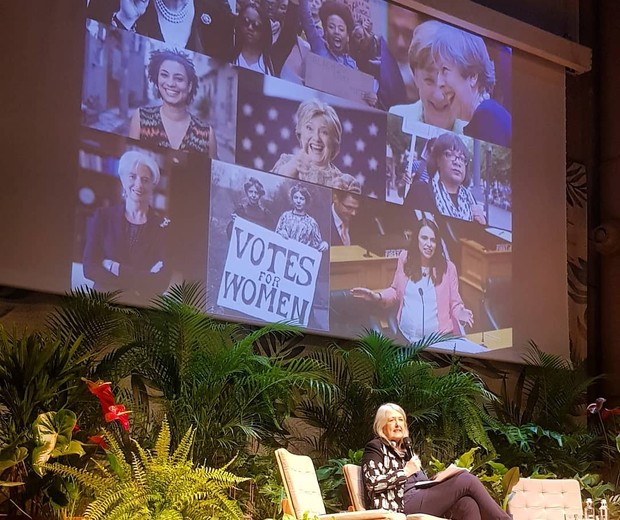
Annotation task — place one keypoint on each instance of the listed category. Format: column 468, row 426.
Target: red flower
column 99, row 440
column 103, row 392
column 76, row 428
column 118, row 413
column 605, row 413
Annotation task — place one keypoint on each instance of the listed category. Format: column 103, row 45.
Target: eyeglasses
column 257, row 25
column 452, row 155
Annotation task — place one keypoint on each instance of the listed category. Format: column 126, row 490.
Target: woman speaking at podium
column 425, row 288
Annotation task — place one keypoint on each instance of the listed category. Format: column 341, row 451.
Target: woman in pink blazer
column 425, row 288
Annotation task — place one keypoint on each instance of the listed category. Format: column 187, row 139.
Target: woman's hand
column 130, row 10
column 370, row 98
column 477, row 212
column 412, row 466
column 111, row 266
column 464, row 316
column 323, row 246
column 367, row 294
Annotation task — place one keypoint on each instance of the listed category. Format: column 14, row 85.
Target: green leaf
column 52, row 436
column 11, row 456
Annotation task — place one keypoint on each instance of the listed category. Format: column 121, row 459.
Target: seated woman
column 171, row 125
column 425, row 288
column 318, row 131
column 390, row 471
column 448, row 191
column 125, row 244
column 253, row 39
column 296, row 224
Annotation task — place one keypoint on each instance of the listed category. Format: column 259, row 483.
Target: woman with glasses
column 425, row 288
column 447, row 192
column 253, row 39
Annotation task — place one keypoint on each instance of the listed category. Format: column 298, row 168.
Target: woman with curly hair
column 170, row 124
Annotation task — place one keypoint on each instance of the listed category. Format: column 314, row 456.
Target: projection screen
column 342, row 165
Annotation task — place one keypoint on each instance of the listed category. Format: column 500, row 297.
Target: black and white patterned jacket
column 384, row 478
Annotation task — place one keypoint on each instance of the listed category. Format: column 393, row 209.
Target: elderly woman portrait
column 390, row 471
column 319, row 132
column 468, row 75
column 204, row 26
column 436, row 105
column 252, row 208
column 425, row 288
column 170, row 124
column 125, row 244
column 447, row 191
column 296, row 224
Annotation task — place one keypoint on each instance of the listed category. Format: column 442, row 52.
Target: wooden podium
column 353, row 266
column 478, row 264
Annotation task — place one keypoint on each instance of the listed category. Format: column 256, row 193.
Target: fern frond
column 181, row 454
column 162, row 445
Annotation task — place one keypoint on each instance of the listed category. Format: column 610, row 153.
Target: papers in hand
column 447, row 473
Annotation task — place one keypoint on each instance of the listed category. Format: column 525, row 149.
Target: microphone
column 408, row 447
column 421, row 293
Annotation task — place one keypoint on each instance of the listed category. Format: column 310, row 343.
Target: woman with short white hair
column 125, row 243
column 390, row 470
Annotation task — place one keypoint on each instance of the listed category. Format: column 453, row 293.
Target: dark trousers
column 462, row 497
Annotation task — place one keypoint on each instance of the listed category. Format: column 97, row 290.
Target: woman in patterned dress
column 390, row 471
column 171, row 125
column 297, row 224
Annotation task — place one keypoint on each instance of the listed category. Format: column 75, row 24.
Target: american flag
column 266, row 129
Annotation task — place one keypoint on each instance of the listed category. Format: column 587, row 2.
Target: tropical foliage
column 443, row 406
column 238, row 392
column 155, row 485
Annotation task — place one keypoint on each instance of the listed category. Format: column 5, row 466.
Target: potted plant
column 142, row 484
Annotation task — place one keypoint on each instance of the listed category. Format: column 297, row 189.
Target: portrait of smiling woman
column 170, row 124
column 318, row 131
column 125, row 243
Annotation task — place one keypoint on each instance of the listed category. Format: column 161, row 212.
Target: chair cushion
column 545, row 499
column 301, row 483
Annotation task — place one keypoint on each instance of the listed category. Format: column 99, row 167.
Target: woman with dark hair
column 251, row 208
column 125, row 244
column 425, row 288
column 171, row 125
column 447, row 191
column 253, row 39
column 390, row 471
column 296, row 224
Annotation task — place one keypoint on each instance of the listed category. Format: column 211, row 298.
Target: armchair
column 355, row 487
column 302, row 488
column 545, row 499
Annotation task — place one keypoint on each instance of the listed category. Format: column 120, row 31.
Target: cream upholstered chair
column 304, row 494
column 355, row 486
column 545, row 499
